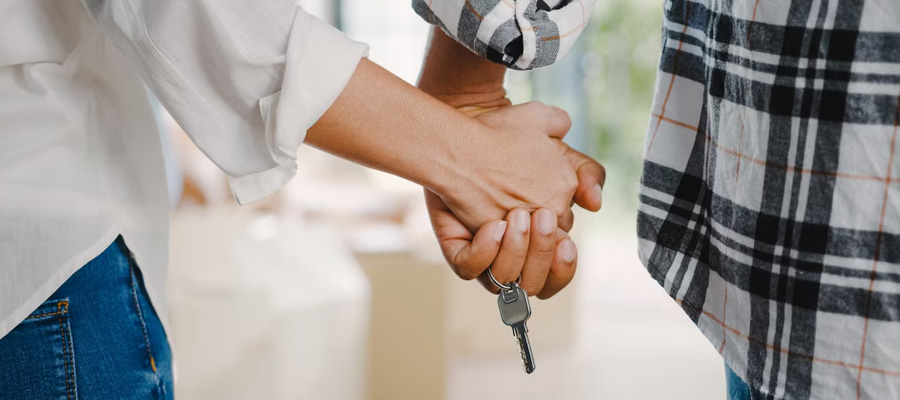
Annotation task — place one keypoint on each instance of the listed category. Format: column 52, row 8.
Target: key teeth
column 522, row 355
column 514, row 314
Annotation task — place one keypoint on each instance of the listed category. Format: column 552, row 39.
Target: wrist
column 475, row 101
column 458, row 77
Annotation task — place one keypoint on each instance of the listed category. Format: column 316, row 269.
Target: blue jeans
column 740, row 390
column 96, row 337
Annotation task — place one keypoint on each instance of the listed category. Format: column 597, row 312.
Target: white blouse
column 80, row 158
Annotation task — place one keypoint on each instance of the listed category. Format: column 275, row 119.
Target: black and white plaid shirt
column 770, row 198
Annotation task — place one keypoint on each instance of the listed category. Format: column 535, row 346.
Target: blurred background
column 335, row 288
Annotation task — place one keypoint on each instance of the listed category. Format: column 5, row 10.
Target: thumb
column 467, row 254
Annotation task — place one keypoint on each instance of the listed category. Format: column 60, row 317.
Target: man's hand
column 519, row 245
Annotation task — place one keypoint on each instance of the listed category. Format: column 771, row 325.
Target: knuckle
column 533, row 288
column 563, row 149
column 466, row 274
column 538, row 110
column 546, row 248
column 568, row 182
column 543, row 245
column 535, row 105
column 563, row 213
column 571, row 180
column 463, row 270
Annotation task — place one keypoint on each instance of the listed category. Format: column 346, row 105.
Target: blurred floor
column 631, row 341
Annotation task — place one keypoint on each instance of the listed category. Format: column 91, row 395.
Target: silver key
column 515, row 311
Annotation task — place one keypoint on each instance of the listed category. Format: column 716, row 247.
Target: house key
column 515, row 311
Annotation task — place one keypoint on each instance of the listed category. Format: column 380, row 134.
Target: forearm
column 453, row 74
column 481, row 167
column 384, row 123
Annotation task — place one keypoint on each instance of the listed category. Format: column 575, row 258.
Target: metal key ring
column 500, row 285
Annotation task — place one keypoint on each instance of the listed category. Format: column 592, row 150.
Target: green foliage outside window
column 621, row 54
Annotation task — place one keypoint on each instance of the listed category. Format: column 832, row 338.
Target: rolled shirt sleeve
column 244, row 78
column 521, row 34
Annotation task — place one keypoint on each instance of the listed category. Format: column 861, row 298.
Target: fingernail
column 567, row 250
column 598, row 191
column 521, row 220
column 545, row 221
column 499, row 230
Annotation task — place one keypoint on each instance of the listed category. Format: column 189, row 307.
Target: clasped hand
column 517, row 201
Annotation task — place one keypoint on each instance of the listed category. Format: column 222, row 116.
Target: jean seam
column 137, row 306
column 63, row 308
column 45, row 314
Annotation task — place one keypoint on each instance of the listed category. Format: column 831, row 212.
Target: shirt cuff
column 319, row 62
column 520, row 34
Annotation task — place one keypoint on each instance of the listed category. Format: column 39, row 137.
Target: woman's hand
column 513, row 162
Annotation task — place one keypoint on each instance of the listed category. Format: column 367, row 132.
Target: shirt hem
column 710, row 336
column 56, row 280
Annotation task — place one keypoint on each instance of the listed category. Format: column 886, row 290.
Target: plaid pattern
column 770, row 204
column 521, row 34
column 770, row 197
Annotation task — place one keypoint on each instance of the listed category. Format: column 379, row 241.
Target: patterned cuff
column 520, row 34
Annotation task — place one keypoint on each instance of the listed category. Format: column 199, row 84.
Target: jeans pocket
column 37, row 360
